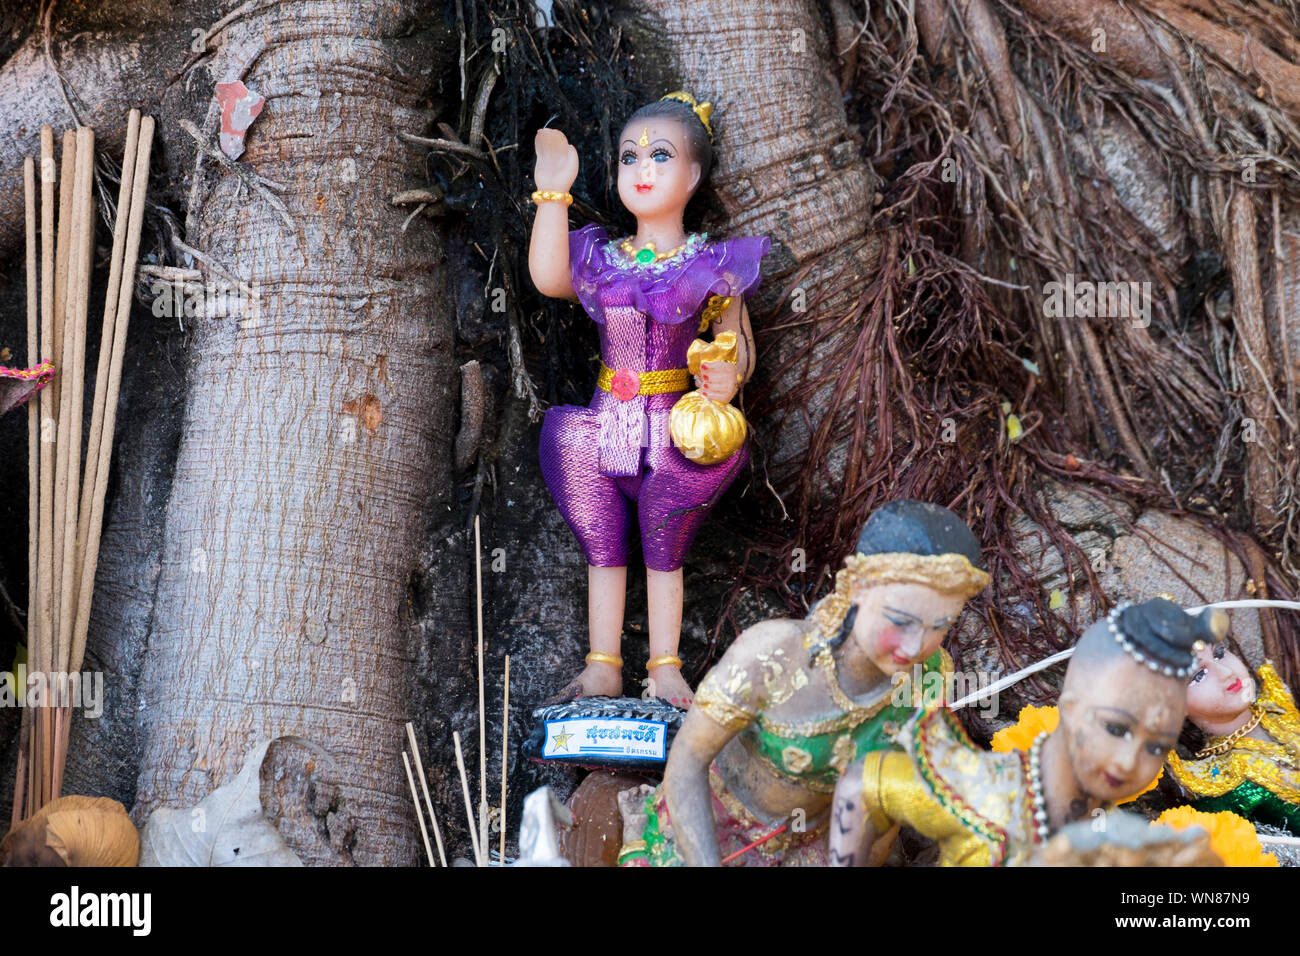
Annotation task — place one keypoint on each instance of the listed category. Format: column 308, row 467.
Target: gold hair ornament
column 703, row 110
column 945, row 573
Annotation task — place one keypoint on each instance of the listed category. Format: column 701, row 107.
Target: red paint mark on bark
column 239, row 107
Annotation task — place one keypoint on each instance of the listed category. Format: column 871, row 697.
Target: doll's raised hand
column 718, row 380
column 557, row 161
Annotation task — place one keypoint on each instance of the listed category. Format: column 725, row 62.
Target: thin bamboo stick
column 97, row 405
column 49, row 322
column 469, row 806
column 482, row 724
column 424, row 785
column 63, row 246
column 33, row 413
column 419, row 813
column 505, row 737
column 78, row 299
column 122, row 316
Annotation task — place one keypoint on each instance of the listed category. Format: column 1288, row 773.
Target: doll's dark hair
column 917, row 527
column 697, row 137
column 1157, row 633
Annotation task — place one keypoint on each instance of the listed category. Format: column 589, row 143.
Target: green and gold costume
column 810, row 753
column 1256, row 779
column 977, row 805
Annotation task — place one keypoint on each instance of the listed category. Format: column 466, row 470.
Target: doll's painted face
column 1221, row 686
column 1120, row 721
column 899, row 625
column 659, row 177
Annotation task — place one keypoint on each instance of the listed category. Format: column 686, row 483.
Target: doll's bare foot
column 669, row 685
column 596, row 680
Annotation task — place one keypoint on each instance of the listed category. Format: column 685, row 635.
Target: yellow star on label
column 561, row 740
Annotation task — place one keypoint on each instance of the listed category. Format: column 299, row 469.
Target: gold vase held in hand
column 703, row 430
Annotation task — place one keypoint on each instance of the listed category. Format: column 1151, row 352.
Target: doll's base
column 604, row 732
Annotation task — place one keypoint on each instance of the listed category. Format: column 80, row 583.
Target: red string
column 759, row 842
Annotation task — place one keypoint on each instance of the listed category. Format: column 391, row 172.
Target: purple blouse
column 670, row 291
column 620, row 295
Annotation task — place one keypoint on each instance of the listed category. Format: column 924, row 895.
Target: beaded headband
column 1131, row 648
column 703, row 110
column 945, row 573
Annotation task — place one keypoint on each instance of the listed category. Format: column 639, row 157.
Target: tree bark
column 313, row 436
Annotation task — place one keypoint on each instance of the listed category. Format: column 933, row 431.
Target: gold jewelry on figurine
column 842, row 700
column 635, row 846
column 945, row 573
column 713, row 699
column 664, row 660
column 703, row 110
column 645, row 136
column 600, row 657
column 552, row 195
column 1225, row 743
column 651, row 383
column 647, row 252
column 713, row 310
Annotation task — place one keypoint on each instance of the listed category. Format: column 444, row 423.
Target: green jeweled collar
column 615, row 254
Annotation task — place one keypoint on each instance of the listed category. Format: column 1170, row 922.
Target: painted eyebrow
column 902, row 613
column 1119, row 710
column 909, row 615
column 1133, row 720
column 652, row 142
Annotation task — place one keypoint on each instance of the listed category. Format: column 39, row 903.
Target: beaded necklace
column 624, row 255
column 1037, row 798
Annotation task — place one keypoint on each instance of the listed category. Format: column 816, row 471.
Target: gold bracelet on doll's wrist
column 552, row 195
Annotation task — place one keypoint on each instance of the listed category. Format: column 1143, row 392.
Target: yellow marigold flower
column 1033, row 721
column 1036, row 720
column 1231, row 837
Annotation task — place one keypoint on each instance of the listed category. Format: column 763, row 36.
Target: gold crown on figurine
column 945, row 573
column 703, row 110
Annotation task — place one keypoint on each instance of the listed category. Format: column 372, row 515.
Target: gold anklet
column 664, row 660
column 600, row 657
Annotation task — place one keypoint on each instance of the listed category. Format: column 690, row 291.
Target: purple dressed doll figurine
column 613, row 465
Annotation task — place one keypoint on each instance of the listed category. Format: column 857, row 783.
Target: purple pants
column 673, row 495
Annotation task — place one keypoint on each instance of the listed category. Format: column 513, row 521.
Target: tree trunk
column 314, row 436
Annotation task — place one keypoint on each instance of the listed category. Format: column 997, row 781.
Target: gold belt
column 649, row 383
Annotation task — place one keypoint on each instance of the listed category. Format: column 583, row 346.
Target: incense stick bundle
column 117, row 314
column 63, row 245
column 66, row 504
column 33, row 460
column 33, row 412
column 69, row 456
